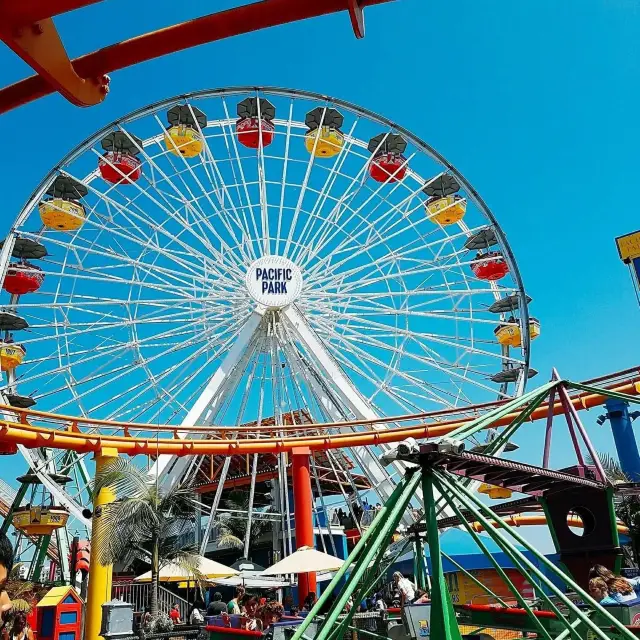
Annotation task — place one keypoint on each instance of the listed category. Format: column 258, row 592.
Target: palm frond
column 229, row 540
column 611, row 467
column 123, row 477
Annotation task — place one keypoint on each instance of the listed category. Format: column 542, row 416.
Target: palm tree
column 22, row 593
column 232, row 530
column 627, row 506
column 147, row 519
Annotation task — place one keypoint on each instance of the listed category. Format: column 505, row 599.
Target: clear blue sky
column 535, row 102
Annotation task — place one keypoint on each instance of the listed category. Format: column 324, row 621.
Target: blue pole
column 624, row 437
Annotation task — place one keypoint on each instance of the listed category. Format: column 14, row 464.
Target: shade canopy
column 252, row 582
column 173, row 572
column 304, row 560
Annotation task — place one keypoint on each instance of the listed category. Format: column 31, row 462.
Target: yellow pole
column 99, row 575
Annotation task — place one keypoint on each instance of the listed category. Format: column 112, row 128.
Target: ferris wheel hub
column 274, row 281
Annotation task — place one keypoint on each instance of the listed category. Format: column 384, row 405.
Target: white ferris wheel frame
column 226, row 376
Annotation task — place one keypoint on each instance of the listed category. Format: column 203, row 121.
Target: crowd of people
column 364, row 514
column 257, row 613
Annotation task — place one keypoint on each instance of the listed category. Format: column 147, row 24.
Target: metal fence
column 175, row 634
column 138, row 594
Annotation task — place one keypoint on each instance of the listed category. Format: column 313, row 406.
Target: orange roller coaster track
column 28, row 29
column 40, row 429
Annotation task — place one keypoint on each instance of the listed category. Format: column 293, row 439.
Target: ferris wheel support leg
column 22, row 491
column 352, row 398
column 100, row 575
column 302, row 504
column 171, row 468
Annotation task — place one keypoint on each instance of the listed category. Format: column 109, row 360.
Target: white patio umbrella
column 304, row 560
column 174, row 573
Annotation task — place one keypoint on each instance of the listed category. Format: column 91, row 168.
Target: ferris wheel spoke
column 176, row 192
column 407, row 249
column 264, row 212
column 332, row 175
column 367, row 372
column 435, row 290
column 85, row 328
column 182, row 381
column 169, row 392
column 285, row 167
column 197, row 211
column 445, row 367
column 356, row 312
column 204, row 337
column 169, row 279
column 104, row 253
column 418, row 270
column 89, row 275
column 129, row 207
column 365, row 221
column 303, row 189
column 99, row 351
column 357, row 213
column 120, row 260
column 239, row 218
column 229, row 136
column 358, row 181
column 456, row 341
column 219, row 185
column 434, row 393
column 158, row 229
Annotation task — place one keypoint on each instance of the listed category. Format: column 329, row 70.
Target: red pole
column 303, row 508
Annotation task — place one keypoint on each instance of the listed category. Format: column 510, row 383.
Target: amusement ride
column 282, row 295
column 256, row 258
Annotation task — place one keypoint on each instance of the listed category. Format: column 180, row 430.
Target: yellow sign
column 629, row 246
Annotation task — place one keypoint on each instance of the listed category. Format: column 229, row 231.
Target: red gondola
column 255, row 125
column 388, row 164
column 120, row 164
column 8, row 448
column 22, row 277
column 489, row 266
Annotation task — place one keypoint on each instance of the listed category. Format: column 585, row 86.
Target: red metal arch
column 28, row 29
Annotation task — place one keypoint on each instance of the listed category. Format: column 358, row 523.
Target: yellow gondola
column 330, row 141
column 183, row 140
column 62, row 215
column 446, row 210
column 11, row 355
column 508, row 334
column 183, row 136
column 495, row 493
column 40, row 521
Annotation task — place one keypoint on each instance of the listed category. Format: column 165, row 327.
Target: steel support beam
column 170, row 469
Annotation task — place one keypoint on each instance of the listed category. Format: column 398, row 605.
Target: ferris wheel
column 240, row 256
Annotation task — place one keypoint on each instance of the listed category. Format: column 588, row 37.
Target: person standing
column 233, row 607
column 174, row 614
column 196, row 617
column 216, row 606
column 405, row 587
column 6, row 564
column 309, row 601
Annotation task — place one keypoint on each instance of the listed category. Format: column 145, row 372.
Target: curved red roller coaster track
column 28, row 29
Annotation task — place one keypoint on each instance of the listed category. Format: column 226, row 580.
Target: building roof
column 56, row 595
